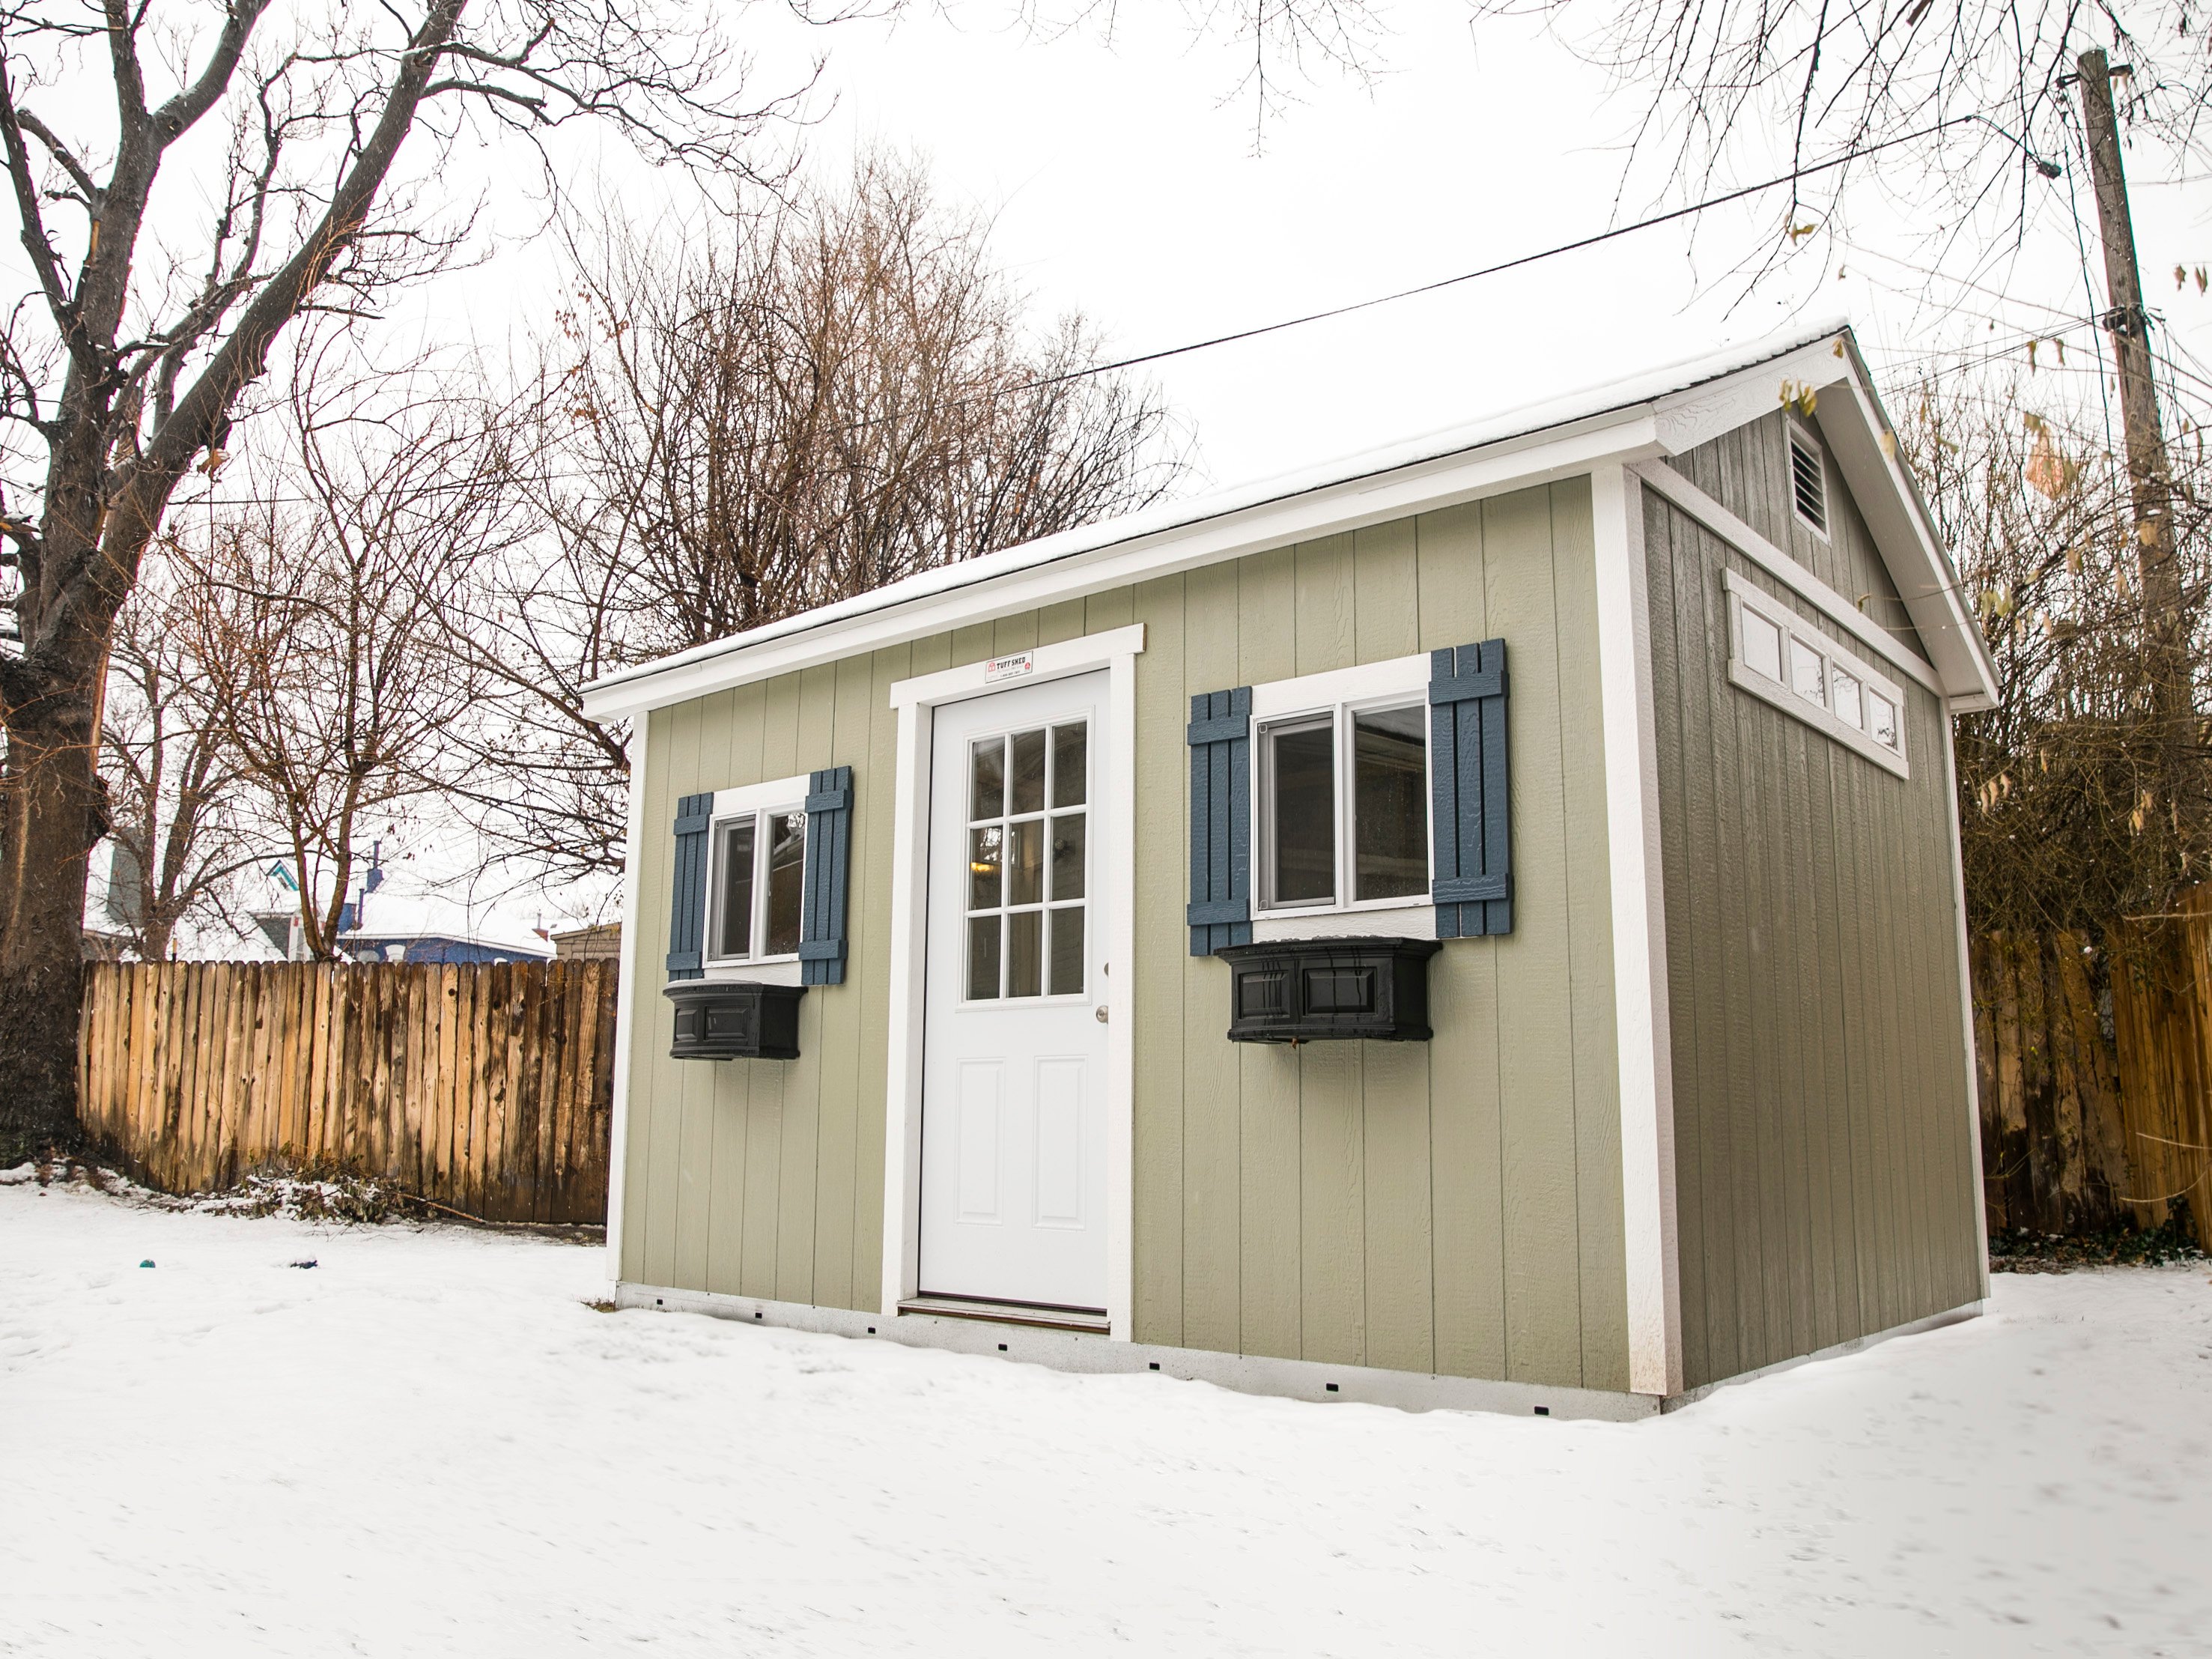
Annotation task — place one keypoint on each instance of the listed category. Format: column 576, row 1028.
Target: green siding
column 1454, row 1206
column 1820, row 1111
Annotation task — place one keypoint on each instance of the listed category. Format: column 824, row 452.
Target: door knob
column 1099, row 1013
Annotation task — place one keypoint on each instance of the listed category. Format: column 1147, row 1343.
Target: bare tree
column 2068, row 817
column 318, row 615
column 1984, row 82
column 830, row 395
column 124, row 366
column 173, row 789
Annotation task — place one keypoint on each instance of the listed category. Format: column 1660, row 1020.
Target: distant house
column 601, row 942
column 369, row 945
column 1475, row 923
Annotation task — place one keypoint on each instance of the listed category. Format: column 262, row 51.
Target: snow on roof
column 1588, row 403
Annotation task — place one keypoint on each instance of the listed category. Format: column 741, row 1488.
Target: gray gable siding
column 1748, row 471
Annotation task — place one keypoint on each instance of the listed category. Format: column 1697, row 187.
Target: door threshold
column 1090, row 1319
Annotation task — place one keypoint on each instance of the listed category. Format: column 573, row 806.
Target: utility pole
column 2165, row 619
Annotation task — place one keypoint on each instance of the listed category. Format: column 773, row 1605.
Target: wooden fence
column 2094, row 1058
column 488, row 1089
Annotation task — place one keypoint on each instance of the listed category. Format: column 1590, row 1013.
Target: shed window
column 1779, row 656
column 1342, row 789
column 757, row 879
column 1809, row 482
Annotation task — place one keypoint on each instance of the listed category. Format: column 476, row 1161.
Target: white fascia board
column 995, row 587
column 1702, row 413
column 1860, row 437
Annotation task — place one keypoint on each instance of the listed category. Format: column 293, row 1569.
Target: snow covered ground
column 428, row 1443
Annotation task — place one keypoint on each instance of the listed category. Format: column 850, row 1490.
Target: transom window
column 1779, row 656
column 1342, row 789
column 757, row 878
column 1029, row 848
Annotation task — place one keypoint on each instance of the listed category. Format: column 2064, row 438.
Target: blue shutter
column 687, row 883
column 1468, row 783
column 828, row 863
column 1220, row 738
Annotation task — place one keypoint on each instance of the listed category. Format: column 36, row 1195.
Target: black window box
column 734, row 1019
column 1316, row 990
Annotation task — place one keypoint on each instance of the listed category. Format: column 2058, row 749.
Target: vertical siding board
column 868, row 978
column 800, row 1149
column 1272, row 1228
column 1213, row 1091
column 1535, row 993
column 664, row 1098
column 1834, row 1286
column 1600, row 1228
column 835, row 1176
column 1721, row 1073
column 1151, row 988
column 1064, row 620
column 1394, row 1077
column 1812, row 1249
column 1466, row 1199
column 1672, row 692
column 1332, row 1211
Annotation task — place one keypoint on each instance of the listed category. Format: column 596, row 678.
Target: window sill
column 782, row 971
column 1413, row 918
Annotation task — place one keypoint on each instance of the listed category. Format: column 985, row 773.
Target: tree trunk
column 54, row 811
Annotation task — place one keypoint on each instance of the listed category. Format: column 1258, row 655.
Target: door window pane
column 1025, row 862
column 1024, row 953
column 1028, row 781
column 1067, row 842
column 985, row 862
column 1302, row 812
column 786, row 865
column 733, row 914
column 1067, row 951
column 987, row 796
column 1071, row 757
column 1389, row 809
column 983, row 958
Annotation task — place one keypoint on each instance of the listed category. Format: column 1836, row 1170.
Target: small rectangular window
column 1780, row 657
column 1881, row 720
column 786, row 889
column 1299, row 779
column 1809, row 484
column 1762, row 645
column 1845, row 699
column 1808, row 671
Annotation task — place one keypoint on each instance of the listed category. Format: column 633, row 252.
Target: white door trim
column 1116, row 652
column 1641, row 1015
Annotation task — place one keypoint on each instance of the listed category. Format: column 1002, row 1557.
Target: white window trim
column 1801, row 438
column 748, row 800
column 1338, row 694
column 1744, row 596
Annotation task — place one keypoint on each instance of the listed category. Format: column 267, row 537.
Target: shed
column 1475, row 924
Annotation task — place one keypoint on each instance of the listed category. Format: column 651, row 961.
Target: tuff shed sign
column 1018, row 666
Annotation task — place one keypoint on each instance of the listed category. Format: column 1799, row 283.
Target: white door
column 1013, row 1112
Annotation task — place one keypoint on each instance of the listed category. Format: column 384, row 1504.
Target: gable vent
column 1808, row 484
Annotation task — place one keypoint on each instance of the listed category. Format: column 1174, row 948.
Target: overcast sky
column 1125, row 180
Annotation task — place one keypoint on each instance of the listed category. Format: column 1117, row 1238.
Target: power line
column 1519, row 260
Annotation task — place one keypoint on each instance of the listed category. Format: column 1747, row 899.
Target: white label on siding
column 1015, row 667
